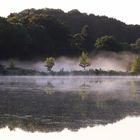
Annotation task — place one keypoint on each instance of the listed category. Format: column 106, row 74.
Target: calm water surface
column 69, row 107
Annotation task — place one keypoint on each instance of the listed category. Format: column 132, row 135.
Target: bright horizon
column 123, row 10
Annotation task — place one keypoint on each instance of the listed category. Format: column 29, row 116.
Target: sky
column 124, row 10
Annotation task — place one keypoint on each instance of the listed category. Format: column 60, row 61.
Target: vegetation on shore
column 51, row 32
column 135, row 65
column 84, row 61
column 20, row 71
column 49, row 63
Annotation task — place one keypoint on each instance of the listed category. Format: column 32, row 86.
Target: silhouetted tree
column 52, row 32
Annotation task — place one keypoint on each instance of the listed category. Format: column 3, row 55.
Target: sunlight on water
column 126, row 129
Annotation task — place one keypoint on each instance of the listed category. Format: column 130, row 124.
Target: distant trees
column 108, row 43
column 14, row 39
column 50, row 36
column 49, row 63
column 12, row 18
column 135, row 65
column 12, row 64
column 136, row 45
column 82, row 41
column 52, row 32
column 84, row 60
column 2, row 68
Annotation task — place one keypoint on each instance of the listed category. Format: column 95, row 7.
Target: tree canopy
column 49, row 63
column 84, row 60
column 108, row 43
column 52, row 32
column 135, row 65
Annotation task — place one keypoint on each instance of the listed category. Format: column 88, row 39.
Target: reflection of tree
column 102, row 104
column 72, row 114
column 49, row 88
column 12, row 125
column 83, row 99
column 72, row 110
column 84, row 91
column 133, row 88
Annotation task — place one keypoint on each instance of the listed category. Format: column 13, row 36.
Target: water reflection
column 127, row 128
column 49, row 104
column 49, row 88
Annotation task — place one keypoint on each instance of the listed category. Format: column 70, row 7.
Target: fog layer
column 103, row 60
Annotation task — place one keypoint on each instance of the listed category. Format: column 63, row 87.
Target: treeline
column 52, row 32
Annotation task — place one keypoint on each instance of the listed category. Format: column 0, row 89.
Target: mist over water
column 112, row 61
column 103, row 60
column 56, row 103
column 107, row 87
column 53, row 103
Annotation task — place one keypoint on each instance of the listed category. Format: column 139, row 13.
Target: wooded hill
column 52, row 32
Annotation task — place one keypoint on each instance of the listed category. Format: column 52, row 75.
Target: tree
column 84, row 60
column 12, row 64
column 2, row 68
column 52, row 32
column 135, row 65
column 137, row 43
column 108, row 43
column 56, row 34
column 84, row 31
column 49, row 63
column 83, row 41
column 12, row 18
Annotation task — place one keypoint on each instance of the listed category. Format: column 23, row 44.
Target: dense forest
column 51, row 32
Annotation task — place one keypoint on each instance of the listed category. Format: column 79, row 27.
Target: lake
column 69, row 107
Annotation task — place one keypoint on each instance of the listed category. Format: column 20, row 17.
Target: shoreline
column 92, row 72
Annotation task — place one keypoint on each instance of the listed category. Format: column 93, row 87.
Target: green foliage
column 12, row 18
column 137, row 43
column 14, row 39
column 135, row 65
column 52, row 32
column 49, row 63
column 84, row 60
column 108, row 43
column 83, row 41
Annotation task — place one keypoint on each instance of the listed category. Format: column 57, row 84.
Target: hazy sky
column 127, row 11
